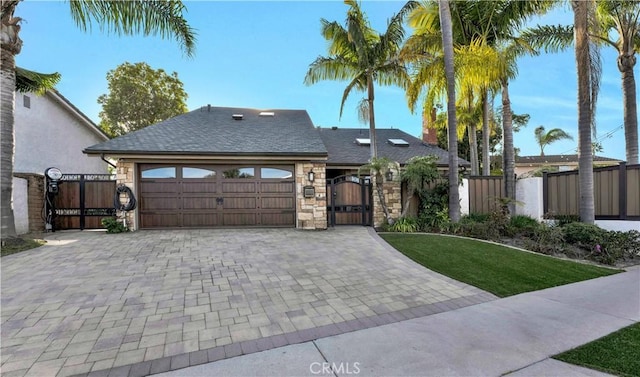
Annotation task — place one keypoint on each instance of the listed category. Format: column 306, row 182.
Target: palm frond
column 31, row 81
column 146, row 17
column 332, row 68
column 359, row 83
column 550, row 38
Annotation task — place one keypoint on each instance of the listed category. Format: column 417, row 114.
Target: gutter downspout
column 107, row 161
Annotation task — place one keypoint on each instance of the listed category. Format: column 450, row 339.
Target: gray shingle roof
column 343, row 149
column 557, row 158
column 213, row 131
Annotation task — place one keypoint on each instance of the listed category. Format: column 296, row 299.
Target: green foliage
column 523, row 225
column 498, row 269
column 434, row 209
column 404, row 225
column 583, row 235
column 140, row 96
column 475, row 217
column 547, row 240
column 617, row 353
column 420, row 171
column 31, row 81
column 113, row 225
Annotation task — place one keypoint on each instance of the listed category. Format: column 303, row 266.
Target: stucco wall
column 619, row 225
column 529, row 197
column 48, row 135
column 20, row 205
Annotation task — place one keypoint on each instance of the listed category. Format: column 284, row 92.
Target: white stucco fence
column 20, row 205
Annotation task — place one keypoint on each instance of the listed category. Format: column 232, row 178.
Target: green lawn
column 497, row 269
column 18, row 245
column 617, row 353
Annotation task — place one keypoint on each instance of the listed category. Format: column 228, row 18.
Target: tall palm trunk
column 11, row 46
column 447, row 47
column 626, row 62
column 372, row 118
column 508, row 152
column 486, row 134
column 585, row 156
column 473, row 148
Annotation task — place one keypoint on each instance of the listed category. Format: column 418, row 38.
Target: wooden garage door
column 215, row 195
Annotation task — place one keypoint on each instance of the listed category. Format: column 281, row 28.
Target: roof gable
column 223, row 131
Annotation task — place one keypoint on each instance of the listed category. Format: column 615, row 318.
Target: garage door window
column 159, row 173
column 198, row 173
column 239, row 173
column 275, row 173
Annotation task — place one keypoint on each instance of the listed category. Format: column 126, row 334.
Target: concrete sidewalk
column 512, row 336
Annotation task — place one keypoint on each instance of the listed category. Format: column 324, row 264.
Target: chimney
column 429, row 133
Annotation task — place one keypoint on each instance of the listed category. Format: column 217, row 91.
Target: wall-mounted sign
column 309, row 191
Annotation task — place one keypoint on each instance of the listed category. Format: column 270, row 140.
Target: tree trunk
column 447, row 47
column 372, row 119
column 585, row 156
column 486, row 135
column 508, row 153
column 473, row 148
column 10, row 46
column 625, row 65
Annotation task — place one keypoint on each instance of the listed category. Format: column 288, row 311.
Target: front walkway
column 153, row 301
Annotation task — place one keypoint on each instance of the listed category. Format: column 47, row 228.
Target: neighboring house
column 218, row 166
column 49, row 132
column 527, row 165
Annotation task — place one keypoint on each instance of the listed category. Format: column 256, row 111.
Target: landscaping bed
column 566, row 239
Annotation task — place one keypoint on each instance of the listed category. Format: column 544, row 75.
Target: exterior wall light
column 388, row 176
column 311, row 176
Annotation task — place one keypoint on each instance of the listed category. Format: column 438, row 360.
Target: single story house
column 562, row 162
column 222, row 166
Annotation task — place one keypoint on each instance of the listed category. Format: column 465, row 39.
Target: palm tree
column 622, row 17
column 616, row 24
column 545, row 138
column 164, row 18
column 359, row 54
column 447, row 48
column 587, row 95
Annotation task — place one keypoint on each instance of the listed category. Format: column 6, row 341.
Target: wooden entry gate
column 349, row 201
column 83, row 200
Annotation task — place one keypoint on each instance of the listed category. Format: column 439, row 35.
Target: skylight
column 399, row 142
column 267, row 114
column 237, row 116
column 362, row 141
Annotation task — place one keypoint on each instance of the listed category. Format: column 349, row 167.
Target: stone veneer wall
column 393, row 197
column 311, row 213
column 125, row 174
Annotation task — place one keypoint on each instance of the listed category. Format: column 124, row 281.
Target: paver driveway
column 152, row 301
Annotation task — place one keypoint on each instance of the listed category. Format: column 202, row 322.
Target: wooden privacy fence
column 485, row 193
column 616, row 192
column 83, row 200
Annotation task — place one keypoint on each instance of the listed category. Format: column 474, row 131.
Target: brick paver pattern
column 151, row 301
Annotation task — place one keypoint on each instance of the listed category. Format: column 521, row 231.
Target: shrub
column 113, row 225
column 584, row 235
column 616, row 246
column 547, row 240
column 475, row 217
column 522, row 225
column 405, row 225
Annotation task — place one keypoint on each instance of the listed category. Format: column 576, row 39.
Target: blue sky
column 256, row 54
